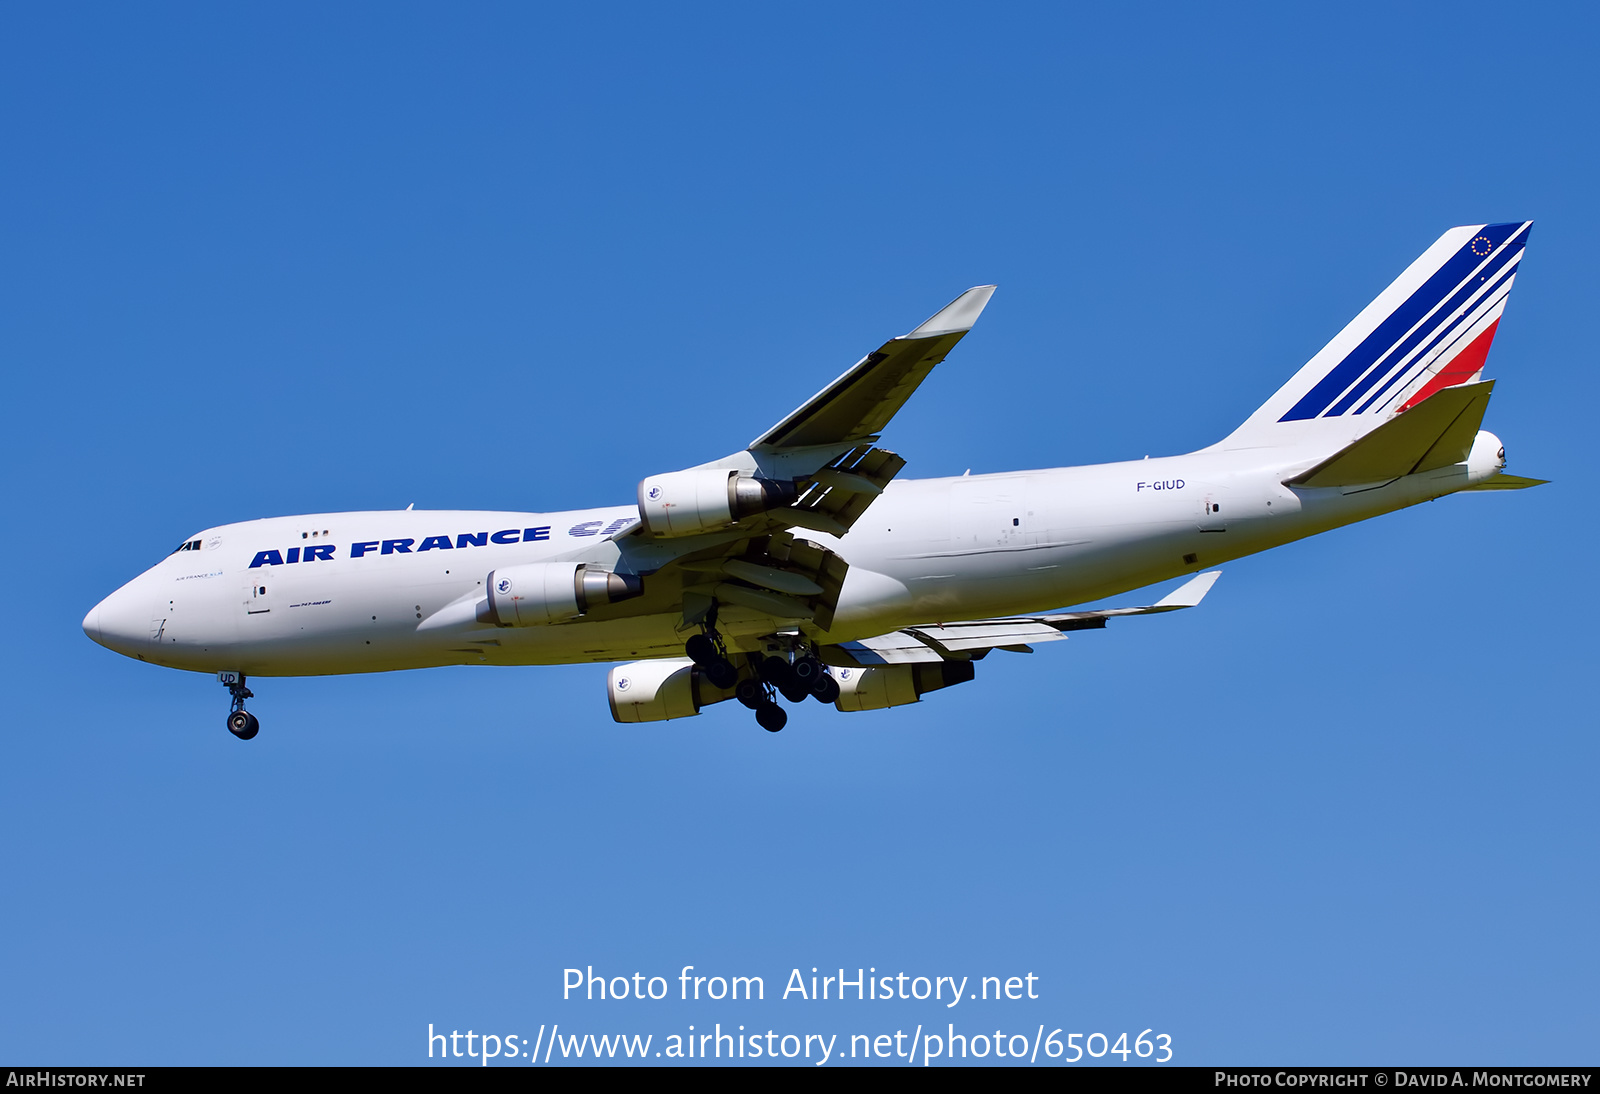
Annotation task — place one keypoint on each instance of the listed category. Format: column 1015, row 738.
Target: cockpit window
column 192, row 545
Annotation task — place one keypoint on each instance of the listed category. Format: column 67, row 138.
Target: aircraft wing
column 857, row 405
column 816, row 470
column 827, row 441
column 818, row 467
column 974, row 638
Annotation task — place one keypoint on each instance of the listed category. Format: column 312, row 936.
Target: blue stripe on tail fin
column 1412, row 339
column 1413, row 321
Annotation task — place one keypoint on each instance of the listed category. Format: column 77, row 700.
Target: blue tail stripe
column 1489, row 299
column 1496, row 264
column 1443, row 282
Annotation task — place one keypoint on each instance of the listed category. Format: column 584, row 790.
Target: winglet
column 1190, row 593
column 958, row 315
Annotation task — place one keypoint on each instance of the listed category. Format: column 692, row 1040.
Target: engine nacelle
column 687, row 503
column 884, row 686
column 653, row 691
column 535, row 593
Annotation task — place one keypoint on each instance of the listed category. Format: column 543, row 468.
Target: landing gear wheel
column 814, row 680
column 243, row 725
column 795, row 693
column 721, row 673
column 750, row 693
column 777, row 672
column 770, row 717
column 705, row 650
column 701, row 650
column 808, row 670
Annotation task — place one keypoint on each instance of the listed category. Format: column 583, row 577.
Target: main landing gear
column 707, row 651
column 241, row 723
column 757, row 696
column 795, row 681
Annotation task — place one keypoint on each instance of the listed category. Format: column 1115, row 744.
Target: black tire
column 721, row 673
column 826, row 690
column 808, row 670
column 770, row 717
column 243, row 725
column 794, row 691
column 750, row 693
column 776, row 671
column 701, row 650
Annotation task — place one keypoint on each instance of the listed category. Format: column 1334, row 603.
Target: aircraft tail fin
column 1428, row 331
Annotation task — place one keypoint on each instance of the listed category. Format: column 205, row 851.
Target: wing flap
column 776, row 575
column 841, row 492
column 894, row 648
column 973, row 638
column 999, row 634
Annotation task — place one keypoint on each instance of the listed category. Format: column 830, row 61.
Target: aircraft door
column 1214, row 509
column 258, row 595
column 161, row 620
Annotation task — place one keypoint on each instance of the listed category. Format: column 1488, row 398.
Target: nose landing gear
column 241, row 723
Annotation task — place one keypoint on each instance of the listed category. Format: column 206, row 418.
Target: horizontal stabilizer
column 1437, row 432
column 1505, row 482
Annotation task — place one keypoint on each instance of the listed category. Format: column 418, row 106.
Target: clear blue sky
column 258, row 261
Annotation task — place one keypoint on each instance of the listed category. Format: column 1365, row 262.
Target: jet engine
column 687, row 503
column 550, row 592
column 896, row 685
column 653, row 691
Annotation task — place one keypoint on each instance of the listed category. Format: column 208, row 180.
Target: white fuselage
column 269, row 597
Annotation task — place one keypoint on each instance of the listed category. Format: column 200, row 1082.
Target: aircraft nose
column 117, row 622
column 91, row 623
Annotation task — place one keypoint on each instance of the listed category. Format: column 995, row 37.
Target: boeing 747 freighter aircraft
column 803, row 567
